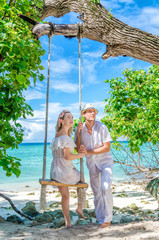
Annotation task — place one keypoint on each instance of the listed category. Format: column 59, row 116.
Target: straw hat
column 87, row 107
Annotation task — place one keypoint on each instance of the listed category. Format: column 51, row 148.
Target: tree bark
column 101, row 26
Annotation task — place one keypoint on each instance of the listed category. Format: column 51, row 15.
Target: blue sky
column 64, row 91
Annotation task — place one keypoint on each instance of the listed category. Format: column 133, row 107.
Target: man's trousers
column 100, row 181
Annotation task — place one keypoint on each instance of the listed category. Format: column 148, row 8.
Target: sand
column 124, row 194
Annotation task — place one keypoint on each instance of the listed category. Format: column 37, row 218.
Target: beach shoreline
column 124, row 194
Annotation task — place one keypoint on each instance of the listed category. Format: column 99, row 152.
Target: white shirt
column 100, row 135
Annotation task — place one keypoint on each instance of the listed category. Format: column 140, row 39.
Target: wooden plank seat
column 55, row 183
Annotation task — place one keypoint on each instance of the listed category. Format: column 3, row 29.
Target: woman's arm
column 78, row 135
column 103, row 149
column 70, row 156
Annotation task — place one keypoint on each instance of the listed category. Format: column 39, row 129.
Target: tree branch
column 13, row 206
column 101, row 26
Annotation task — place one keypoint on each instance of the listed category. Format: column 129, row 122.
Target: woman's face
column 68, row 120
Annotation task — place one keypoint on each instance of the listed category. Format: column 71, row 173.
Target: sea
column 31, row 155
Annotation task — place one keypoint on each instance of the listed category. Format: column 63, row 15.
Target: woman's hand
column 82, row 149
column 70, row 156
column 79, row 127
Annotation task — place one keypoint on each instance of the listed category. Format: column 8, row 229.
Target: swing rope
column 44, row 182
column 79, row 35
column 47, row 99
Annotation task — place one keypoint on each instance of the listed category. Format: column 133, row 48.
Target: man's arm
column 103, row 149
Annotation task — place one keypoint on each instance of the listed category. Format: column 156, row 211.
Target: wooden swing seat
column 55, row 183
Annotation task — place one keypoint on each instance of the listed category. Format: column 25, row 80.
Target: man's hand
column 82, row 149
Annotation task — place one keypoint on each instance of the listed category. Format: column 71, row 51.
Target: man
column 96, row 145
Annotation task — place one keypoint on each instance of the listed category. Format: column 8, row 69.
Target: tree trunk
column 101, row 26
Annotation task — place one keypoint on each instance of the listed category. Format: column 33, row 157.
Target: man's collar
column 92, row 127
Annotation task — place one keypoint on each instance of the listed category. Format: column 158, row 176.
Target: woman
column 62, row 169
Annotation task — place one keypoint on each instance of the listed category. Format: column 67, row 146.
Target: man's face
column 90, row 115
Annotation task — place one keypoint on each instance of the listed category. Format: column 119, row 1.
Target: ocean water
column 31, row 155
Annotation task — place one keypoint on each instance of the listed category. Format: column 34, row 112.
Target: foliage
column 96, row 1
column 19, row 64
column 76, row 121
column 153, row 187
column 132, row 110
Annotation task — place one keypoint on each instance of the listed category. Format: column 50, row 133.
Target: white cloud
column 110, row 4
column 146, row 19
column 53, row 19
column 115, row 4
column 61, row 66
column 73, row 17
column 33, row 94
column 95, row 54
column 89, row 70
column 45, row 45
column 65, row 86
column 123, row 65
column 54, row 109
column 125, row 1
column 35, row 126
column 150, row 15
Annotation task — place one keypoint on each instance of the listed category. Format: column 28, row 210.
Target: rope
column 79, row 39
column 47, row 99
column 79, row 33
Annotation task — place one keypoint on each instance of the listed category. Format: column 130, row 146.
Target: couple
column 96, row 147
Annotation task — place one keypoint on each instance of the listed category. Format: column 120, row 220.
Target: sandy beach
column 124, row 194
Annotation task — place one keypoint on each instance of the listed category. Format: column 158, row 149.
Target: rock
column 91, row 213
column 57, row 214
column 72, row 214
column 126, row 210
column 133, row 206
column 34, row 223
column 58, row 223
column 30, row 209
column 58, row 195
column 122, row 195
column 83, row 221
column 140, row 212
column 148, row 212
column 115, row 208
column 15, row 219
column 31, row 193
column 87, row 203
column 85, row 212
column 1, row 219
column 55, row 204
column 127, row 219
column 44, row 218
column 116, row 218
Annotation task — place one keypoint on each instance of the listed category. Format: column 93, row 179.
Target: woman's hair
column 59, row 123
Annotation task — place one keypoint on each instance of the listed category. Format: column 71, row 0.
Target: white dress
column 63, row 170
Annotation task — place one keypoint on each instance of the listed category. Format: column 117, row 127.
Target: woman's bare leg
column 79, row 209
column 65, row 204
